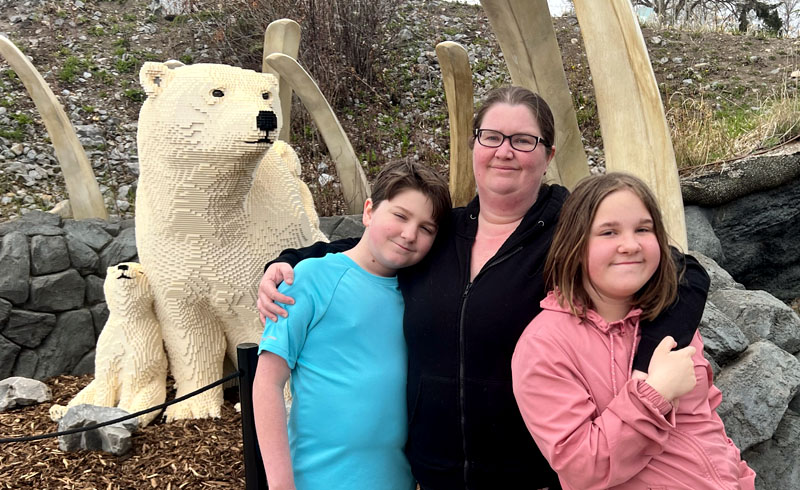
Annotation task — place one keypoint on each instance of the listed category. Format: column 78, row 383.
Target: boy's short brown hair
column 406, row 174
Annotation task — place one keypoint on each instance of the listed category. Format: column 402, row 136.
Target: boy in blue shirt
column 343, row 344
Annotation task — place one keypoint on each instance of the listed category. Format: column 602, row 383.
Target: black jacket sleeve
column 293, row 256
column 682, row 318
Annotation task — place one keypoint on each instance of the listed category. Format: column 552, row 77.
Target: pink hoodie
column 599, row 428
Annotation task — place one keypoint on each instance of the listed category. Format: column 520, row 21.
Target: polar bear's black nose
column 122, row 267
column 266, row 121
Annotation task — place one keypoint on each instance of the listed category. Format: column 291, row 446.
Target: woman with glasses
column 469, row 300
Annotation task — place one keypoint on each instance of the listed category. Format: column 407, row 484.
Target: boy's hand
column 268, row 291
column 671, row 373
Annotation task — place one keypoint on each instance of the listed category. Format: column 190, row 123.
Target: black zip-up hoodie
column 465, row 431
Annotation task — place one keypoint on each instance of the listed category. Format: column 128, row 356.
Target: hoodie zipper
column 462, row 350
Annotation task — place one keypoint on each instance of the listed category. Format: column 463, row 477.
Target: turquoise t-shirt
column 343, row 341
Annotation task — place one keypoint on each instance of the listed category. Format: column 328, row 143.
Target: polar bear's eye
column 265, row 95
column 218, row 93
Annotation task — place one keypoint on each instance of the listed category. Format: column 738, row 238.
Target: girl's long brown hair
column 566, row 262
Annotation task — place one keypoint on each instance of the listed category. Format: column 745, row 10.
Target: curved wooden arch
column 354, row 182
column 84, row 194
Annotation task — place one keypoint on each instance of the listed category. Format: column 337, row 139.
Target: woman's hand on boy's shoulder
column 268, row 294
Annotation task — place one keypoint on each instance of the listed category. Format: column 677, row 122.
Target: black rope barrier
column 235, row 374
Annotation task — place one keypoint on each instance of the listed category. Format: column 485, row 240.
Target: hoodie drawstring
column 613, row 365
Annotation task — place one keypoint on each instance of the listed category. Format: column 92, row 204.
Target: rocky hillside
column 90, row 51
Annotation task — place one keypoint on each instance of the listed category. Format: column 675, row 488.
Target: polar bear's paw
column 193, row 409
column 57, row 412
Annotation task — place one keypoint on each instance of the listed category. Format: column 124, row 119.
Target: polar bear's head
column 126, row 288
column 206, row 108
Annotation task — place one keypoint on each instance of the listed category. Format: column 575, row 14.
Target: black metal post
column 255, row 478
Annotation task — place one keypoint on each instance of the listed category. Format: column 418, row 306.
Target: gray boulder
column 88, row 232
column 5, row 311
column 82, row 256
column 720, row 279
column 72, row 337
column 94, row 290
column 26, row 363
column 722, row 338
column 700, row 233
column 337, row 227
column 761, row 316
column 114, row 439
column 121, row 249
column 34, row 223
column 8, row 354
column 57, row 292
column 20, row 392
column 28, row 328
column 48, row 254
column 85, row 365
column 99, row 317
column 775, row 460
column 757, row 389
column 15, row 263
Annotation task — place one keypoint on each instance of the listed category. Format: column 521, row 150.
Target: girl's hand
column 636, row 374
column 671, row 373
column 268, row 291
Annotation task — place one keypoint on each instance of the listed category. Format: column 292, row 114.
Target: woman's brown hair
column 565, row 266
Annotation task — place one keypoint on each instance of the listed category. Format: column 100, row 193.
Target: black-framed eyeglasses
column 520, row 142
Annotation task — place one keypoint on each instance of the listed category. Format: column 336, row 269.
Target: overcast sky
column 556, row 6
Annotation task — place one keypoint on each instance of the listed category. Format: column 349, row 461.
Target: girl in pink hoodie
column 597, row 423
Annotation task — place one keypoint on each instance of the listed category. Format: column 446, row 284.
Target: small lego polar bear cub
column 217, row 197
column 130, row 363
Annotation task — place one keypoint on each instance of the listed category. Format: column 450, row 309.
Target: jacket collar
column 550, row 302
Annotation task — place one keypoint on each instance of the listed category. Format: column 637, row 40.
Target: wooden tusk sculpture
column 457, row 81
column 354, row 183
column 282, row 36
column 82, row 189
column 635, row 132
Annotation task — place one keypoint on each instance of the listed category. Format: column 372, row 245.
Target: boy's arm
column 293, row 256
column 681, row 319
column 270, row 417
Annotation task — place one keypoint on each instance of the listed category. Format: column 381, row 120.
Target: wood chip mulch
column 191, row 454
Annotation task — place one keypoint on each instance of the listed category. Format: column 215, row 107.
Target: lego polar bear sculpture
column 130, row 365
column 217, row 196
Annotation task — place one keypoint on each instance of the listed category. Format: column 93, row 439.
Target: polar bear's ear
column 154, row 77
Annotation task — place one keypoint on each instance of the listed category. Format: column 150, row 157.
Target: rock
column 22, row 392
column 405, row 34
column 121, row 249
column 757, row 389
column 761, row 316
column 775, row 460
column 763, row 250
column 57, row 292
column 700, row 233
column 337, row 227
column 114, row 439
column 720, row 279
column 99, row 317
column 48, row 254
column 81, row 256
column 85, row 365
column 722, row 338
column 88, row 232
column 28, row 328
column 29, row 229
column 8, row 355
column 72, row 337
column 5, row 311
column 94, row 290
column 27, row 360
column 16, row 266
